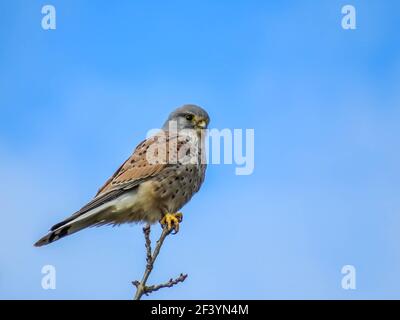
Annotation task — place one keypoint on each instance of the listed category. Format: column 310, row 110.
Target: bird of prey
column 159, row 178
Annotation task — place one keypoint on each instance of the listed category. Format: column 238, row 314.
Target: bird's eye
column 189, row 117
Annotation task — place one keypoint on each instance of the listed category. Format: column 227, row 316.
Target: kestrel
column 158, row 179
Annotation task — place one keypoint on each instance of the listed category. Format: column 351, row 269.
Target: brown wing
column 132, row 172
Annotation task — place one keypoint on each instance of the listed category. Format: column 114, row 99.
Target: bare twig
column 146, row 231
column 141, row 287
column 170, row 283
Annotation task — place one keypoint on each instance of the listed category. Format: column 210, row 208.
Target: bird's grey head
column 188, row 116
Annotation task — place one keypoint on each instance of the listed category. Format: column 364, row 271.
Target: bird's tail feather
column 91, row 218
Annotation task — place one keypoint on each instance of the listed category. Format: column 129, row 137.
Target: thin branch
column 146, row 231
column 170, row 283
column 151, row 257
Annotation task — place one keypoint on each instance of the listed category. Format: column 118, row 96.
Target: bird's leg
column 171, row 221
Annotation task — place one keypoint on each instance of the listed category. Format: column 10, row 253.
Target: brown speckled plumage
column 143, row 190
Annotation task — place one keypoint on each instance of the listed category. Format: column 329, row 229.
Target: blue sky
column 325, row 106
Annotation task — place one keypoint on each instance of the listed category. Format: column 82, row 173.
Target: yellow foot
column 171, row 221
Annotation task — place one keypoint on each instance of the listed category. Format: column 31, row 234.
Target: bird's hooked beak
column 200, row 123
